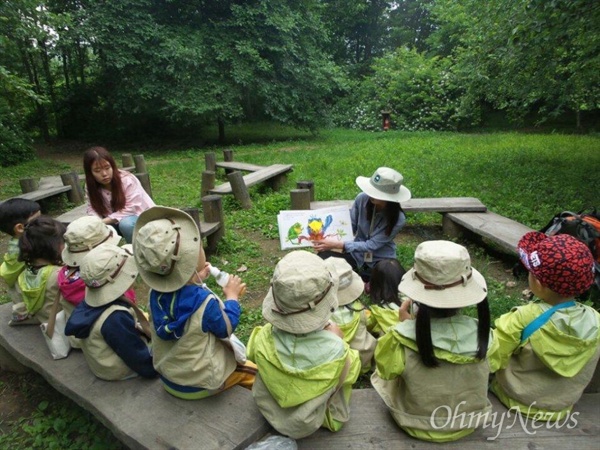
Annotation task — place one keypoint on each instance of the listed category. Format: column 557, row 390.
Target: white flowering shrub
column 420, row 92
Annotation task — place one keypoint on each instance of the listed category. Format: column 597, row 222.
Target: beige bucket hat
column 84, row 234
column 351, row 285
column 107, row 271
column 385, row 184
column 303, row 293
column 442, row 277
column 166, row 244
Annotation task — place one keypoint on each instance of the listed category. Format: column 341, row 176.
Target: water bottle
column 222, row 278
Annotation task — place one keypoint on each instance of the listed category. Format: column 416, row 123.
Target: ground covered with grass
column 526, row 177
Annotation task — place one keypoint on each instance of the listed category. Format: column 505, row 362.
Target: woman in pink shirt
column 116, row 196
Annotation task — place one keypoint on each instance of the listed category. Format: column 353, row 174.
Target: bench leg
column 454, row 230
column 277, row 182
column 9, row 363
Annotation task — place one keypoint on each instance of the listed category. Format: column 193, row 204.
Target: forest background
column 140, row 69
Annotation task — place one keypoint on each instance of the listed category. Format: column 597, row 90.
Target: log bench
column 274, row 174
column 441, row 205
column 142, row 415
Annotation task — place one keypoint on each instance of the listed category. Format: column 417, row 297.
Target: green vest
column 11, row 266
column 39, row 290
column 354, row 326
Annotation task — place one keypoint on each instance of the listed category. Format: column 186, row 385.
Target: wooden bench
column 139, row 412
column 441, row 205
column 235, row 165
column 487, row 227
column 143, row 416
column 273, row 173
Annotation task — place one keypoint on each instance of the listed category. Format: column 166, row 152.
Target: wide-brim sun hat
column 442, row 277
column 166, row 245
column 85, row 234
column 350, row 284
column 561, row 262
column 107, row 271
column 303, row 293
column 385, row 184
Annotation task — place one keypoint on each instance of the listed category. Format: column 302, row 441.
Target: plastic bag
column 274, row 443
column 58, row 344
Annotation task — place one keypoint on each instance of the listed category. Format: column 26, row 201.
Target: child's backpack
column 585, row 226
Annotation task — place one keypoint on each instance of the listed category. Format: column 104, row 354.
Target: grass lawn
column 527, row 177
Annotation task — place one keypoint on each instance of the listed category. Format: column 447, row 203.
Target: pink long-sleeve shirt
column 136, row 199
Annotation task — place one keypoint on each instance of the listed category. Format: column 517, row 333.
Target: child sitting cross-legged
column 188, row 320
column 548, row 350
column 306, row 370
column 114, row 343
column 15, row 214
column 432, row 370
column 351, row 314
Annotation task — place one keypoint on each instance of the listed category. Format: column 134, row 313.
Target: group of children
column 318, row 336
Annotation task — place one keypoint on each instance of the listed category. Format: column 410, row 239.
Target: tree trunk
column 30, row 68
column 221, row 131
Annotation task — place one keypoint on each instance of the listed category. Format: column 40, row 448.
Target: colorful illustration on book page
column 302, row 228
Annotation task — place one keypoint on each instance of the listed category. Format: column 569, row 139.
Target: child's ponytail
column 483, row 328
column 423, row 334
column 42, row 239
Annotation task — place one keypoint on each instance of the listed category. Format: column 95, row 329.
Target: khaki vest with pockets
column 101, row 358
column 197, row 359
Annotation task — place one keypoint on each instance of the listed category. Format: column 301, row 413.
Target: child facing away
column 83, row 235
column 306, row 370
column 351, row 314
column 434, row 368
column 105, row 322
column 15, row 213
column 40, row 248
column 548, row 350
column 188, row 319
column 385, row 303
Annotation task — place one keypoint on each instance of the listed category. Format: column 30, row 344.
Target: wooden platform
column 253, row 178
column 235, row 165
column 441, row 205
column 498, row 230
column 41, row 194
column 139, row 412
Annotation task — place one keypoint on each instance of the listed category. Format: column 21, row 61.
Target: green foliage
column 419, row 92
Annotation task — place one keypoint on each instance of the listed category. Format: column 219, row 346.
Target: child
column 351, row 315
column 548, row 350
column 306, row 370
column 15, row 213
column 432, row 371
column 105, row 322
column 82, row 235
column 40, row 248
column 385, row 303
column 188, row 319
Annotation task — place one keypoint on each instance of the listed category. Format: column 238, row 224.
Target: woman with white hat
column 377, row 218
column 305, row 369
column 433, row 371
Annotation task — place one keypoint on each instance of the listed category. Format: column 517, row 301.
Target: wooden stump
column 300, row 199
column 208, row 182
column 75, row 195
column 145, row 180
column 240, row 191
column 127, row 160
column 29, row 185
column 277, row 182
column 212, row 207
column 140, row 164
column 210, row 161
column 307, row 184
column 228, row 157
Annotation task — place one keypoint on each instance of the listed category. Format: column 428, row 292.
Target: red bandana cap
column 561, row 262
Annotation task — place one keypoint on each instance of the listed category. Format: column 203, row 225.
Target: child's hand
column 404, row 311
column 333, row 328
column 205, row 272
column 235, row 288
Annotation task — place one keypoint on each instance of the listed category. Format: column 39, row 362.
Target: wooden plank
column 236, row 165
column 441, row 205
column 498, row 229
column 139, row 412
column 75, row 213
column 371, row 427
column 208, row 228
column 41, row 194
column 255, row 177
